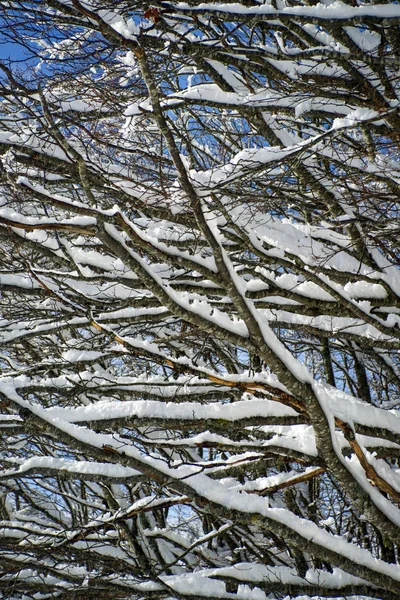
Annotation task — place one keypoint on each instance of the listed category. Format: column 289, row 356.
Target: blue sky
column 11, row 51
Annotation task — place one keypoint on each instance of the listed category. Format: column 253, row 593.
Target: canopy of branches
column 200, row 299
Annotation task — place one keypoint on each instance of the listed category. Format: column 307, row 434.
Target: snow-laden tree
column 199, row 325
